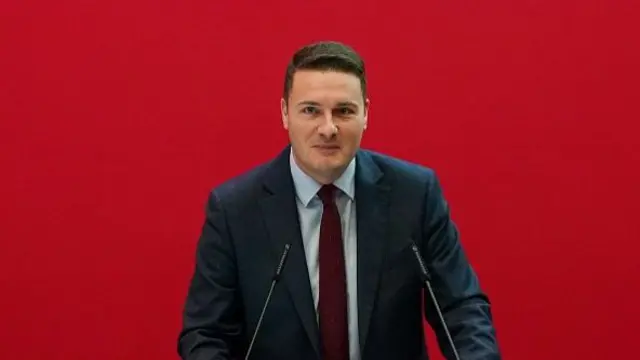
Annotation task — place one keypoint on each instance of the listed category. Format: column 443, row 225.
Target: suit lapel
column 281, row 217
column 372, row 209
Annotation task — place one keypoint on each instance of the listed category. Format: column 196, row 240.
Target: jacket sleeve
column 465, row 308
column 212, row 323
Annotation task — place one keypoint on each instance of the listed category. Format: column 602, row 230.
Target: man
column 350, row 287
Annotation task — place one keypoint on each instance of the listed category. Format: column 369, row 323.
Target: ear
column 284, row 114
column 366, row 113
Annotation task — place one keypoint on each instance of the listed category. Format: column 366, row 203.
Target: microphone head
column 423, row 268
column 283, row 258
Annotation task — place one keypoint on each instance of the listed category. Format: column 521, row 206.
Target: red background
column 117, row 117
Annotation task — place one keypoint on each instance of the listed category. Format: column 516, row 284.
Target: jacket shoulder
column 402, row 171
column 240, row 189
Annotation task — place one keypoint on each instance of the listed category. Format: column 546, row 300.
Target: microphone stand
column 427, row 283
column 276, row 278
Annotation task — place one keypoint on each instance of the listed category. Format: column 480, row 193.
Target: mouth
column 327, row 149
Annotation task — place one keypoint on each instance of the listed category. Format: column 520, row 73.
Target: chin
column 330, row 164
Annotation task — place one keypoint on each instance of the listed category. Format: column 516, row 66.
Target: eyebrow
column 306, row 102
column 340, row 104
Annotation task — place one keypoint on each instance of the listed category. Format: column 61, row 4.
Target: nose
column 328, row 127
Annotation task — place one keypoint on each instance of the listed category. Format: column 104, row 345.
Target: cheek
column 352, row 135
column 303, row 136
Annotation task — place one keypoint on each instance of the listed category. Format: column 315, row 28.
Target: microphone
column 426, row 278
column 275, row 279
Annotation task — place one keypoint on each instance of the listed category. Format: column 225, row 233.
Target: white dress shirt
column 310, row 214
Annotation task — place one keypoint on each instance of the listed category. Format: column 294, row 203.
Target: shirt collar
column 306, row 187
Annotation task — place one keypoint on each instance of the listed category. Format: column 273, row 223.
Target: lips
column 327, row 150
column 328, row 147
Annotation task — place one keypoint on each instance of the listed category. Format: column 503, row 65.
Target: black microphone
column 275, row 279
column 426, row 278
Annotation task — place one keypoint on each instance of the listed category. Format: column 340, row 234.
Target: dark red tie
column 332, row 305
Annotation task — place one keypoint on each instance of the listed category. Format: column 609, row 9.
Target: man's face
column 325, row 117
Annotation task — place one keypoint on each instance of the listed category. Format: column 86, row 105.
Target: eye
column 309, row 110
column 345, row 111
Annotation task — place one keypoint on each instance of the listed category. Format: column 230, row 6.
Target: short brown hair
column 326, row 55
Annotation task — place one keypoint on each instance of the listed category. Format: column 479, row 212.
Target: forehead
column 325, row 85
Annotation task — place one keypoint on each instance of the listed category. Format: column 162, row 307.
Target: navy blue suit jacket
column 250, row 218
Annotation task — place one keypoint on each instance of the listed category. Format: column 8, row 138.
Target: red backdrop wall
column 117, row 117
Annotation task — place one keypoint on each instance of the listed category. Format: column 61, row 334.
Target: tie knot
column 326, row 193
